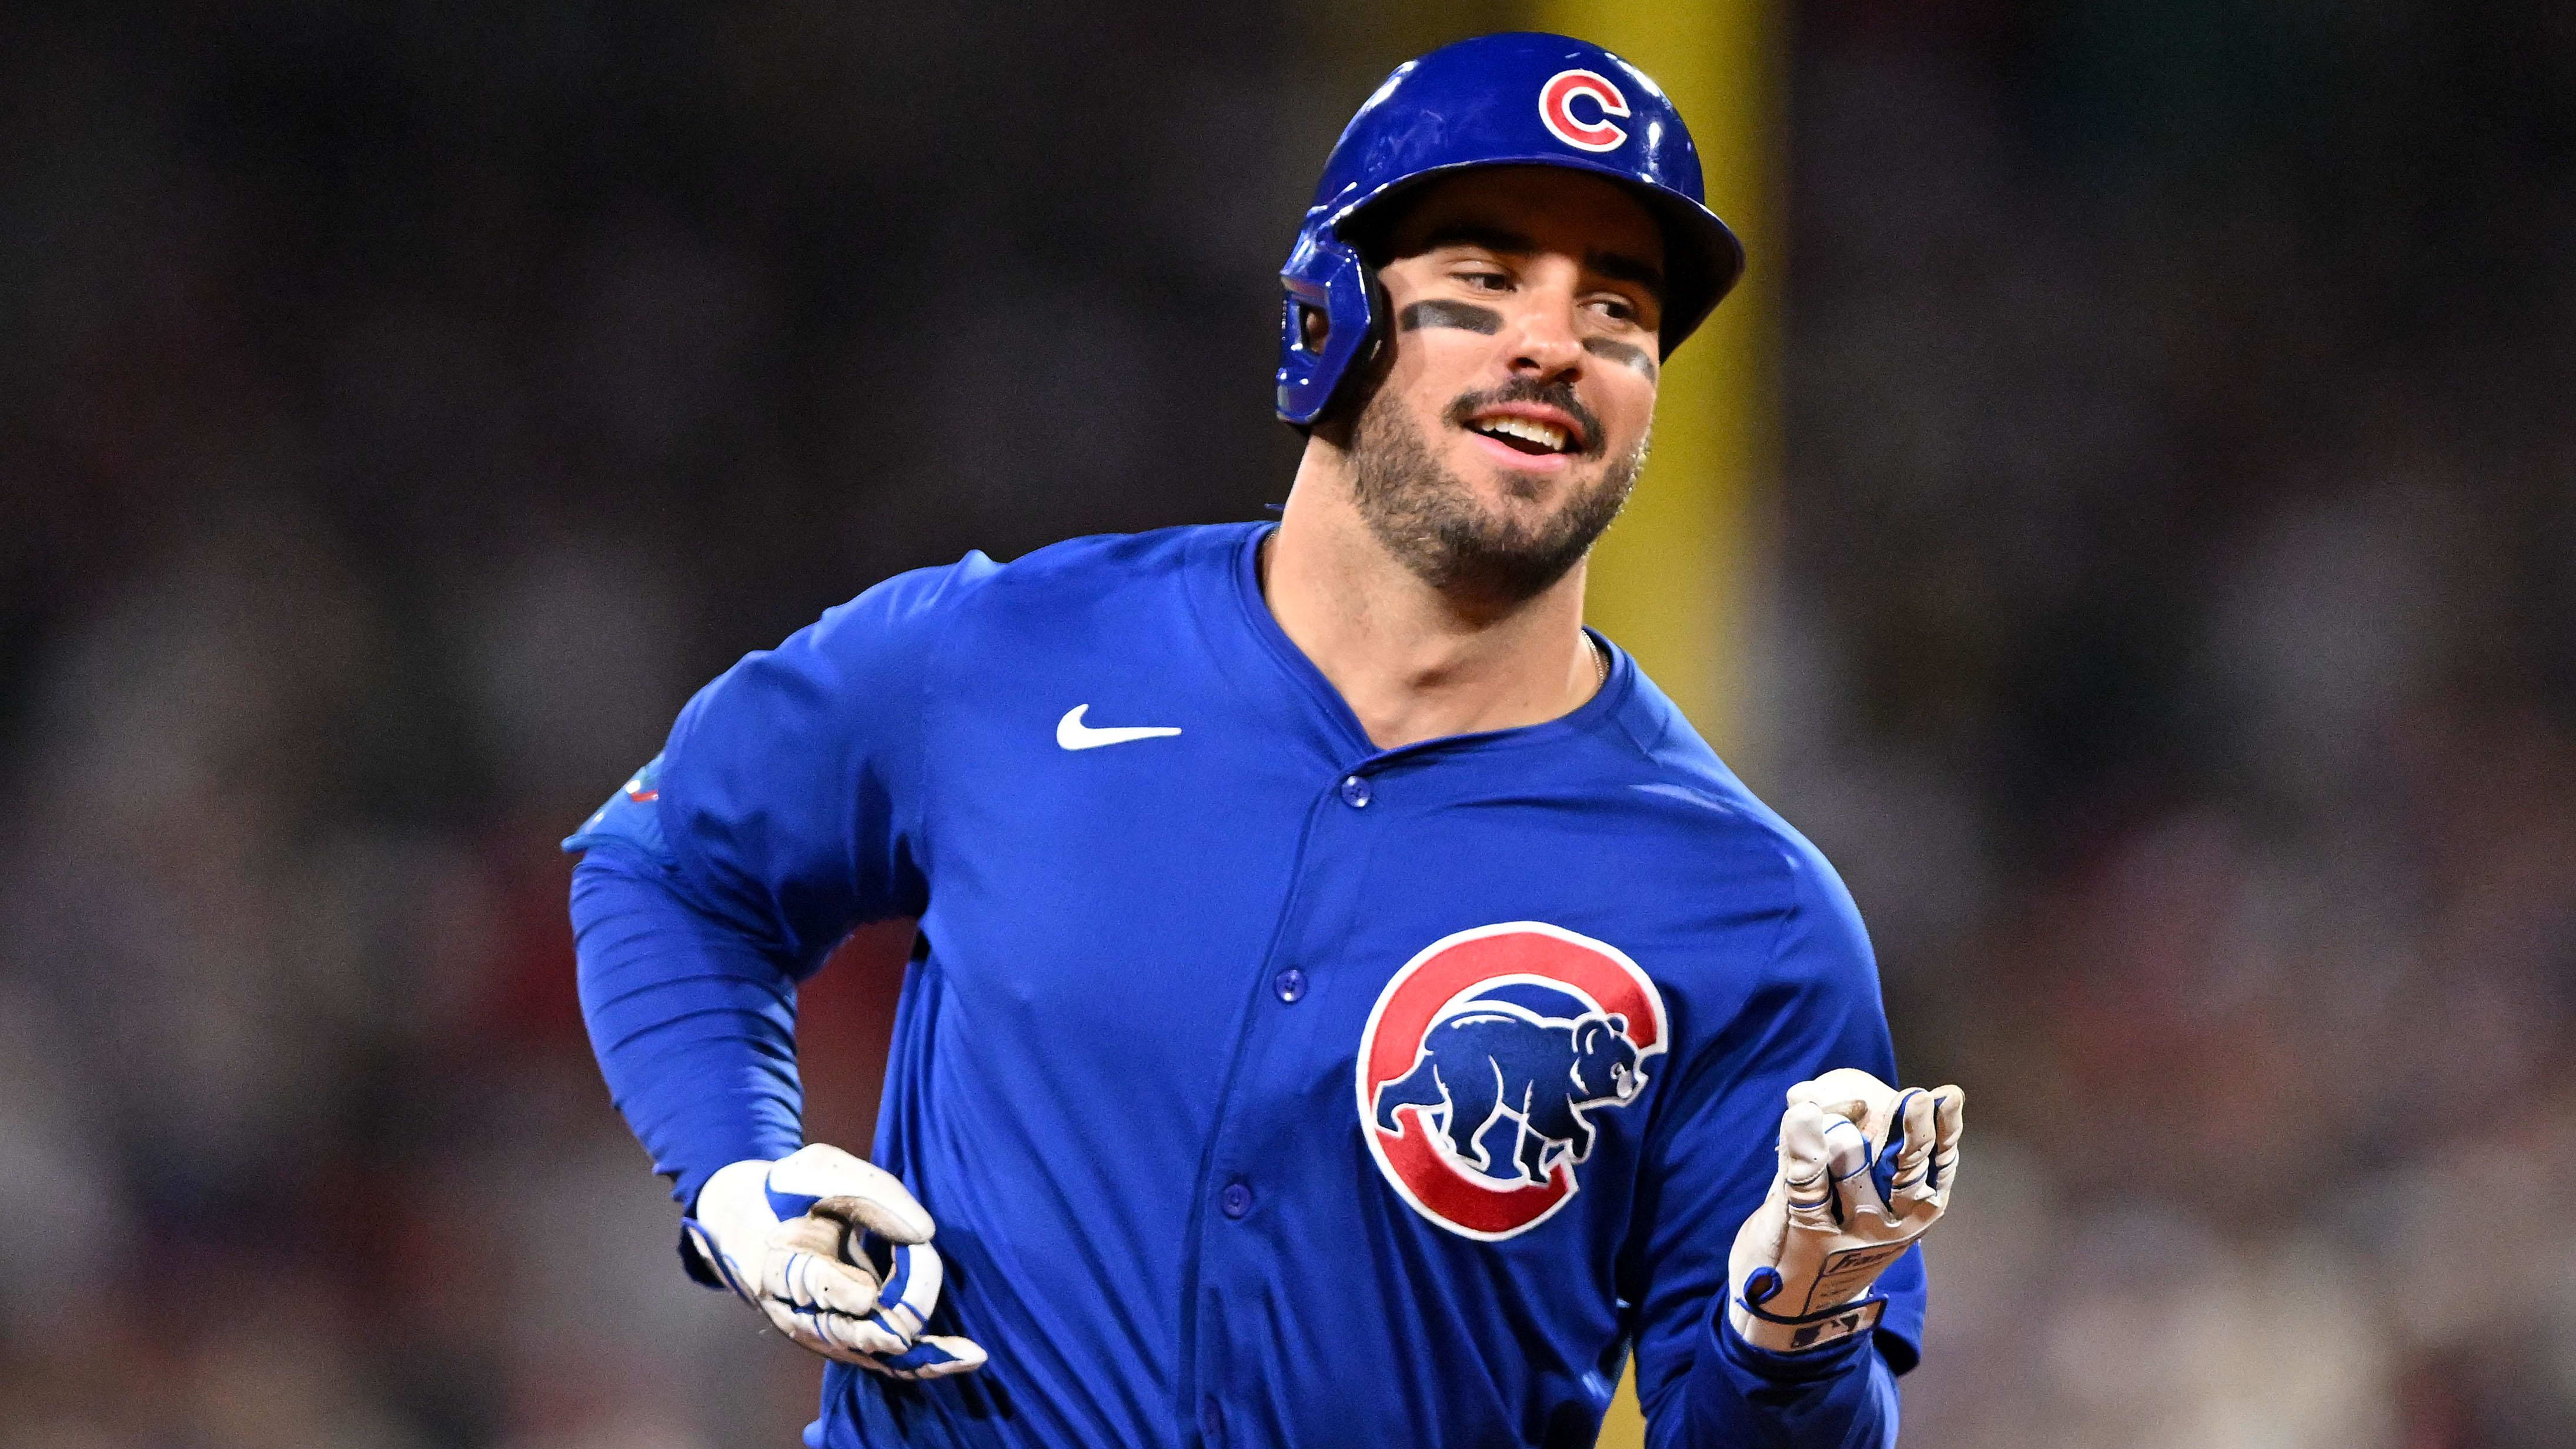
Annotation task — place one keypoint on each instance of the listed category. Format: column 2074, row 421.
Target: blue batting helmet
column 1497, row 100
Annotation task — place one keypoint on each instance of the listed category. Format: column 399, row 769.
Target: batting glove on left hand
column 1864, row 1171
column 836, row 1253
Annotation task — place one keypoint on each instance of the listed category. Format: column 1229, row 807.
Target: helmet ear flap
column 1353, row 383
column 1327, row 323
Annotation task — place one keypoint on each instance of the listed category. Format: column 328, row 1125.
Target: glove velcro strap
column 1815, row 1330
column 922, row 1355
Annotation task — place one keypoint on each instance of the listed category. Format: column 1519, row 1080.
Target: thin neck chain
column 1600, row 661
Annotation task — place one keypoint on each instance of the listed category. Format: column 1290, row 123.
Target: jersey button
column 1290, row 984
column 1236, row 1199
column 1355, row 791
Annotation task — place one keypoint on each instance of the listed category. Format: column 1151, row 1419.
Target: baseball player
column 1351, row 1006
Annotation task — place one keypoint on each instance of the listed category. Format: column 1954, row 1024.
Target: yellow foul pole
column 1672, row 580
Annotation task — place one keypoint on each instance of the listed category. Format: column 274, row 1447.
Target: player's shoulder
column 1052, row 581
column 1705, row 812
column 1103, row 564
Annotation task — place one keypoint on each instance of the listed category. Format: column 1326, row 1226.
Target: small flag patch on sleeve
column 631, row 818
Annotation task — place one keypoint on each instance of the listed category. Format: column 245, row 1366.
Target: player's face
column 1513, row 411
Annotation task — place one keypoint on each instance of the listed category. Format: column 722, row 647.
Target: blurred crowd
column 2178, row 655
column 2172, row 636
column 403, row 409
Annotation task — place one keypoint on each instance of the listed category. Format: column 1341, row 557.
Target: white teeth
column 1545, row 435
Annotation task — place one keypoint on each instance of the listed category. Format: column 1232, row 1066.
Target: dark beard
column 1429, row 519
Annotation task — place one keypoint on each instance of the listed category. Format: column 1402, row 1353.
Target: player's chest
column 1462, row 965
column 1155, row 888
column 1122, row 830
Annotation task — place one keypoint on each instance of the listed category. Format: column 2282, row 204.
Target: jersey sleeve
column 791, row 787
column 1710, row 1161
column 786, row 807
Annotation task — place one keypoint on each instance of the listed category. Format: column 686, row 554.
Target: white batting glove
column 837, row 1254
column 1864, row 1171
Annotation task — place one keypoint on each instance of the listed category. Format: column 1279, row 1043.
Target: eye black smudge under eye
column 1462, row 315
column 1625, row 354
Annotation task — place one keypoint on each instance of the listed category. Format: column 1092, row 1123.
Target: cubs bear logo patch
column 1481, row 1060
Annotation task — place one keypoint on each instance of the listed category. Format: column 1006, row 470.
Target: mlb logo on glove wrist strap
column 1809, row 1331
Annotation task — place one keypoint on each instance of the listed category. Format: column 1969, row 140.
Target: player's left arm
column 1727, row 1196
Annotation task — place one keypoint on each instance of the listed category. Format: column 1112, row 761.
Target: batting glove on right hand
column 1864, row 1171
column 836, row 1253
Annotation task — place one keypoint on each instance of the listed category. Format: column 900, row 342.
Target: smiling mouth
column 1524, row 435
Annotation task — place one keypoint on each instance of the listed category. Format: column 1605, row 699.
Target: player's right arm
column 784, row 809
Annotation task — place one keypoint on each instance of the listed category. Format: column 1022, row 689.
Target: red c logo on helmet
column 1556, row 110
column 1441, row 1014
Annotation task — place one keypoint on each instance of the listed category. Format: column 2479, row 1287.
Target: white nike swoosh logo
column 1073, row 734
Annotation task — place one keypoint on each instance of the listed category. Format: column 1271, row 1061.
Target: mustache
column 1558, row 394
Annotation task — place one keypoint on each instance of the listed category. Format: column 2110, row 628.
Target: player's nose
column 1543, row 338
column 1545, row 343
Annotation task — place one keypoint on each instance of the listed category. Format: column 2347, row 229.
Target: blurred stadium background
column 2142, row 551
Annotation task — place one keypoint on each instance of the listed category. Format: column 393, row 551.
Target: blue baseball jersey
column 1268, row 1087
